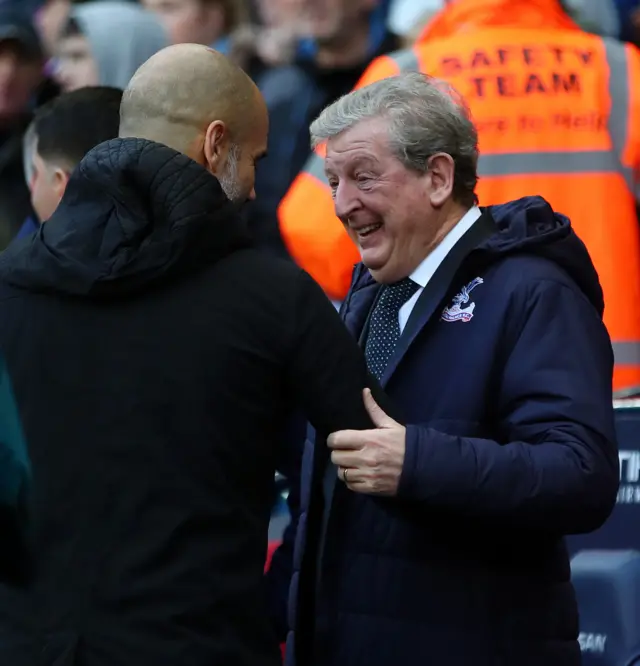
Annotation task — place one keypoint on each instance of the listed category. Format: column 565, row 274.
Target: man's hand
column 370, row 461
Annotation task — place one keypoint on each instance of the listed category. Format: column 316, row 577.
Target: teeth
column 366, row 230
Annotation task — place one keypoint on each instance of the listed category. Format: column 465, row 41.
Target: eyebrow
column 360, row 160
column 364, row 160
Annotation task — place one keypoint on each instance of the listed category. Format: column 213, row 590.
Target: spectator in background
column 63, row 132
column 270, row 40
column 275, row 13
column 21, row 64
column 226, row 26
column 49, row 87
column 629, row 12
column 619, row 19
column 103, row 43
column 207, row 22
column 343, row 37
column 51, row 17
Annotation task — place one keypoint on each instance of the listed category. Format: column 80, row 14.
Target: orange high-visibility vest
column 558, row 116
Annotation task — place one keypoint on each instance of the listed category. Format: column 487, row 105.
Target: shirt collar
column 424, row 272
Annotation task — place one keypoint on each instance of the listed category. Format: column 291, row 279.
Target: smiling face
column 392, row 213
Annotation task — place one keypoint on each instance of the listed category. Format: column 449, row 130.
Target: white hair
column 29, row 141
column 425, row 115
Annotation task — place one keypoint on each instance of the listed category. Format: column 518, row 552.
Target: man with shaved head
column 157, row 359
column 223, row 127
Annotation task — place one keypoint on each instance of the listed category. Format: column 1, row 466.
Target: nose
column 345, row 200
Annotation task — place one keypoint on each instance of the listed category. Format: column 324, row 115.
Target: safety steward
column 557, row 112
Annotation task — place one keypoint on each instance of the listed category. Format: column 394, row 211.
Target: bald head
column 184, row 88
column 196, row 101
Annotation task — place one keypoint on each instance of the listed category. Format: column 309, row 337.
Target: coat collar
column 365, row 290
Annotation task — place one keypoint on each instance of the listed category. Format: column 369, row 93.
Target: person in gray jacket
column 104, row 43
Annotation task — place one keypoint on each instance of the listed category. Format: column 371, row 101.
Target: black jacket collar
column 134, row 213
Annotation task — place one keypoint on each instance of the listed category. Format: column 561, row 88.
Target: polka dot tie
column 384, row 328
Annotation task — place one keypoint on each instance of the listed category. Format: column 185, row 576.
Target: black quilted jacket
column 156, row 358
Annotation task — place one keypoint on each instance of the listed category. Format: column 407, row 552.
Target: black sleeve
column 327, row 370
column 278, row 577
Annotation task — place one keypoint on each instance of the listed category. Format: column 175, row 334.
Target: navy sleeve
column 556, row 467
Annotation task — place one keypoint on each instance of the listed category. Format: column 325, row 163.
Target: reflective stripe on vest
column 625, row 353
column 582, row 161
column 616, row 55
column 406, row 61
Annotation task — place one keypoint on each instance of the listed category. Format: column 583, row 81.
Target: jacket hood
column 122, row 36
column 527, row 226
column 134, row 214
column 530, row 225
column 462, row 16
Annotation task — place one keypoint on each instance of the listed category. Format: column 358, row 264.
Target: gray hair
column 426, row 116
column 29, row 141
column 229, row 179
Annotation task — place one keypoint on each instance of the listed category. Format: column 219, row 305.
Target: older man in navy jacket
column 441, row 542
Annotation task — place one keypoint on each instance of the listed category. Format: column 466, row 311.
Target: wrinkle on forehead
column 366, row 140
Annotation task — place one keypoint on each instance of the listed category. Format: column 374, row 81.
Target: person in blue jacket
column 438, row 536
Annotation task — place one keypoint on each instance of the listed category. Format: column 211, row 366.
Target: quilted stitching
column 134, row 212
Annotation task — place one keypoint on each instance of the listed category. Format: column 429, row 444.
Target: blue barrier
column 607, row 585
column 622, row 530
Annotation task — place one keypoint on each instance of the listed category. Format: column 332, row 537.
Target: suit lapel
column 432, row 296
column 430, row 301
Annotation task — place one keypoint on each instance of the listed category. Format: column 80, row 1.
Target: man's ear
column 216, row 145
column 60, row 180
column 442, row 171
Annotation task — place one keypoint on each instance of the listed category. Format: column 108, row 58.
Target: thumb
column 377, row 414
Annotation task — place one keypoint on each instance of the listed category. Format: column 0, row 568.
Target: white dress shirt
column 429, row 266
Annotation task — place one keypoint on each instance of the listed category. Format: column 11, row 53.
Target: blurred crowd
column 303, row 54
